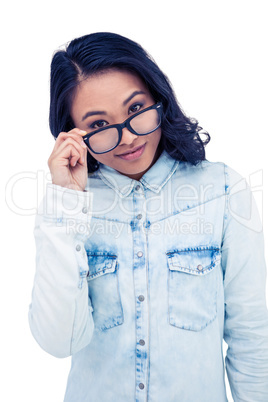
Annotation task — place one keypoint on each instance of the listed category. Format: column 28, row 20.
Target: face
column 111, row 97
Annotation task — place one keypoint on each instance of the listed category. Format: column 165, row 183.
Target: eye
column 135, row 108
column 98, row 124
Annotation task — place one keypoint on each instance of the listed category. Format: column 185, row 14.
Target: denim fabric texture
column 140, row 281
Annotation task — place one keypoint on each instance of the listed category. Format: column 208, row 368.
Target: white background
column 215, row 54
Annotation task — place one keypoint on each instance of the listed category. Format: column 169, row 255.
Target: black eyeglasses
column 109, row 137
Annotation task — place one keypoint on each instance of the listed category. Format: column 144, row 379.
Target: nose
column 127, row 137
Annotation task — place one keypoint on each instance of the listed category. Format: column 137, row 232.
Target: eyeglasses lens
column 104, row 140
column 145, row 122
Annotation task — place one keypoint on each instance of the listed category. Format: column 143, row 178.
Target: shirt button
column 199, row 267
column 78, row 248
column 84, row 210
column 141, row 298
column 141, row 342
column 141, row 386
column 137, row 188
column 139, row 216
column 140, row 254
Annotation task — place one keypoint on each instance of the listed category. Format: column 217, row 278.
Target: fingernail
column 82, row 131
column 83, row 144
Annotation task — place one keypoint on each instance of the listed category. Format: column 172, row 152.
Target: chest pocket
column 103, row 291
column 192, row 286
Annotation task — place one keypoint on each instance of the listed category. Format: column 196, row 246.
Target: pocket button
column 200, row 267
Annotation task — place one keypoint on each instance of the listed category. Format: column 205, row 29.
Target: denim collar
column 154, row 179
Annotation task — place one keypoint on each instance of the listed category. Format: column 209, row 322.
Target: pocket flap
column 194, row 261
column 100, row 265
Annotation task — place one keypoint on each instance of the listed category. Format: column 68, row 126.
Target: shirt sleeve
column 246, row 317
column 60, row 313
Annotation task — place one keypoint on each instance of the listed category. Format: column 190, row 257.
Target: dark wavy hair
column 97, row 52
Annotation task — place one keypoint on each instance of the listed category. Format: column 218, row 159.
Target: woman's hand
column 68, row 161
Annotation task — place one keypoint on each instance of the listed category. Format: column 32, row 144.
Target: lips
column 133, row 153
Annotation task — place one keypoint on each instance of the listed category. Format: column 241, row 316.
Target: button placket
column 140, row 283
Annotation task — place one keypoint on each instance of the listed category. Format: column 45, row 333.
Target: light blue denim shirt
column 141, row 281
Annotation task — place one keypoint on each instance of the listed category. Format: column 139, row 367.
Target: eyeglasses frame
column 158, row 106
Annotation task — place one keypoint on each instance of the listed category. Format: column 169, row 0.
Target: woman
column 148, row 255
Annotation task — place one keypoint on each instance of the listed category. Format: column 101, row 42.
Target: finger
column 73, row 142
column 77, row 131
column 81, row 160
column 71, row 134
column 73, row 160
column 68, row 156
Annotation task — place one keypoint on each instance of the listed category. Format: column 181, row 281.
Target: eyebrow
column 88, row 114
column 132, row 96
